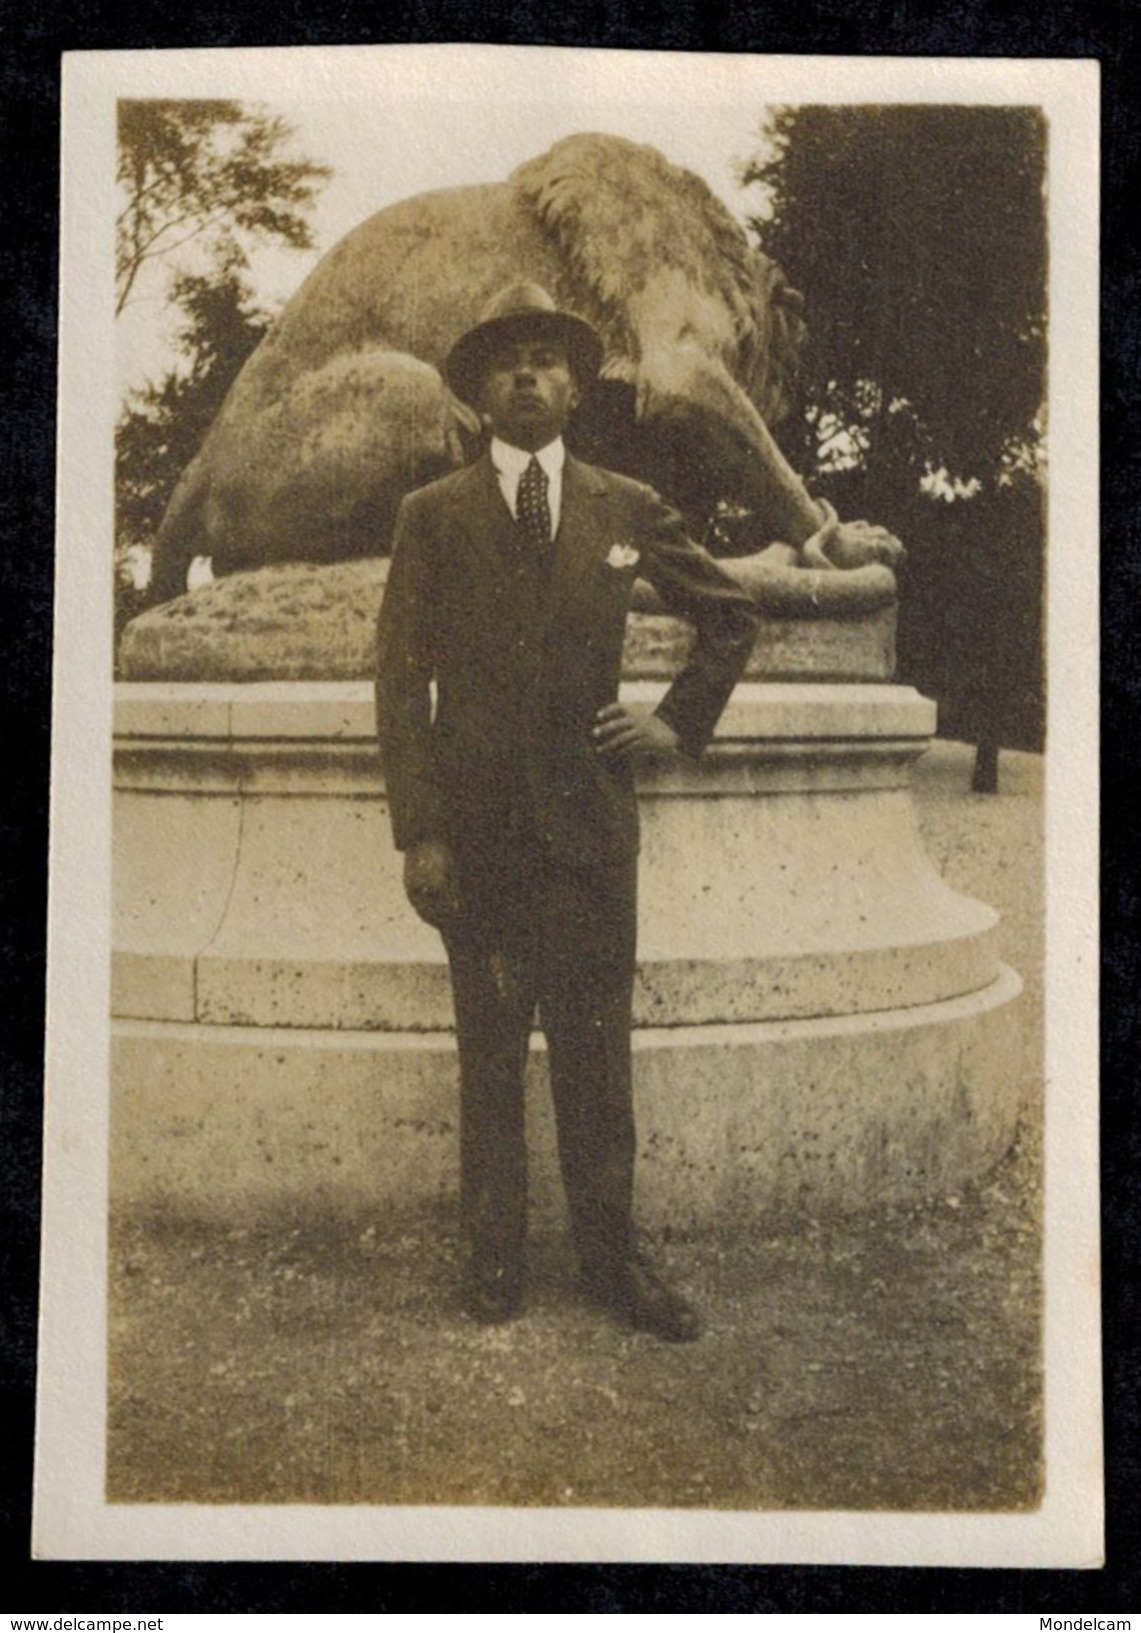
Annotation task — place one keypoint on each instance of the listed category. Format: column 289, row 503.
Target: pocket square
column 622, row 556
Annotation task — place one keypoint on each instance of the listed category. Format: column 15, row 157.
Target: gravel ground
column 884, row 1360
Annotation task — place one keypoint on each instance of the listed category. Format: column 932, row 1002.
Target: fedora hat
column 522, row 310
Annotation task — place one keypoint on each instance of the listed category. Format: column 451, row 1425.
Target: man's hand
column 619, row 734
column 430, row 883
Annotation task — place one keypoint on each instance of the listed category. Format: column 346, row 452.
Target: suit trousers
column 537, row 933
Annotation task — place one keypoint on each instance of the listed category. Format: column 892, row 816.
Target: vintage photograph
column 578, row 734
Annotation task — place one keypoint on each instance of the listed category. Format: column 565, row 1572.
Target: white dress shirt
column 510, row 463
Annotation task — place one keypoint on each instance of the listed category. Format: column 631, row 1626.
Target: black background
column 33, row 34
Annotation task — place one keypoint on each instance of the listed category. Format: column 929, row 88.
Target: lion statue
column 342, row 408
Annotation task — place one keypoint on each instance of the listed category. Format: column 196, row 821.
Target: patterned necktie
column 532, row 508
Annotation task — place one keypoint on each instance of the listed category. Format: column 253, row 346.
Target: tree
column 917, row 235
column 208, row 172
column 201, row 183
column 163, row 424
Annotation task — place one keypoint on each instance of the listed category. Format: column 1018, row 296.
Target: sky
column 387, row 151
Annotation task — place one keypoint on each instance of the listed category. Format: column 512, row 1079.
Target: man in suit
column 511, row 792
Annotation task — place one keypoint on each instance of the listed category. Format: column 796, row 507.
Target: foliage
column 208, row 171
column 917, row 236
column 207, row 178
column 163, row 424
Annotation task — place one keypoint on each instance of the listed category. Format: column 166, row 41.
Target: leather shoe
column 636, row 1291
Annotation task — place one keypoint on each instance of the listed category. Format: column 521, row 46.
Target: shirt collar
column 512, row 462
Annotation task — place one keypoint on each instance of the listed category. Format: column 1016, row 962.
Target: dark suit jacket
column 522, row 660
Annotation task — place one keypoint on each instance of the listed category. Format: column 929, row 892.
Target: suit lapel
column 581, row 538
column 481, row 516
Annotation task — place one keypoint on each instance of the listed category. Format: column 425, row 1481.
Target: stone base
column 317, row 622
column 734, row 1121
column 820, row 1020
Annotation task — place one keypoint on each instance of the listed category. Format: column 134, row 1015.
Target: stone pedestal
column 820, row 1021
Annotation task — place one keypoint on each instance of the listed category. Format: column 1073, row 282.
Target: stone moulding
column 306, row 621
column 821, row 1020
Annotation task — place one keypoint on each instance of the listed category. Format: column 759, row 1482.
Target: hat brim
column 466, row 363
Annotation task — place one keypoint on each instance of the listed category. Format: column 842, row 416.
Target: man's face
column 528, row 392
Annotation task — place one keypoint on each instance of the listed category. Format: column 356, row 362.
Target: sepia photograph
column 573, row 718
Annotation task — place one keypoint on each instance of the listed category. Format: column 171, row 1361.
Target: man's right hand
column 430, row 883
